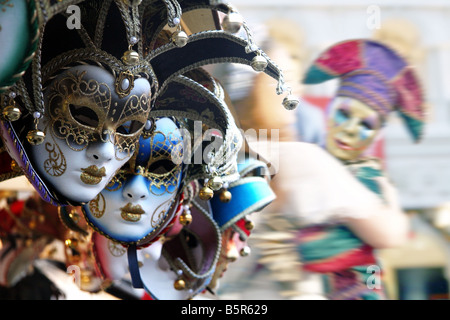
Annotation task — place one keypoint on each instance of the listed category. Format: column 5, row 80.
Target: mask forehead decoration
column 376, row 75
column 117, row 48
column 83, row 107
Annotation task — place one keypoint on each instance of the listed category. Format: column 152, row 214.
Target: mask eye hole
column 367, row 125
column 342, row 115
column 84, row 116
column 162, row 166
column 130, row 127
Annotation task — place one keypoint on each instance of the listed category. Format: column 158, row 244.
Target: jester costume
column 374, row 74
column 348, row 262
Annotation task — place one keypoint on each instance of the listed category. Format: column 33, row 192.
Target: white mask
column 90, row 132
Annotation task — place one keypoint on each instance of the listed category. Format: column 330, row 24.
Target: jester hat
column 123, row 37
column 376, row 75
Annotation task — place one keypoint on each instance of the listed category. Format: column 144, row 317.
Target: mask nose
column 101, row 151
column 351, row 126
column 135, row 189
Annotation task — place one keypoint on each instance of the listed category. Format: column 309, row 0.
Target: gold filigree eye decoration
column 117, row 180
column 124, row 83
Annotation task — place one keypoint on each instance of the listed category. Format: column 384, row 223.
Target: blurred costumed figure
column 334, row 207
column 374, row 82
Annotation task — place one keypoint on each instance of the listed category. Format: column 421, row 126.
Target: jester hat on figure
column 117, row 46
column 374, row 74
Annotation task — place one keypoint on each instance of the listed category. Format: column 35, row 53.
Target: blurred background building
column 419, row 30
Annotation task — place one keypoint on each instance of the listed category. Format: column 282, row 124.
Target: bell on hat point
column 185, row 218
column 215, row 183
column 180, row 284
column 290, row 102
column 11, row 113
column 232, row 22
column 245, row 251
column 206, row 193
column 35, row 137
column 180, row 38
column 249, row 225
column 259, row 63
column 225, row 196
column 130, row 57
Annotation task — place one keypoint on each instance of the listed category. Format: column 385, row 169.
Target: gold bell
column 130, row 58
column 185, row 218
column 215, row 183
column 179, row 284
column 245, row 251
column 249, row 225
column 15, row 167
column 290, row 102
column 71, row 243
column 35, row 137
column 74, row 216
column 180, row 38
column 206, row 193
column 225, row 196
column 32, row 224
column 259, row 63
column 11, row 113
column 232, row 22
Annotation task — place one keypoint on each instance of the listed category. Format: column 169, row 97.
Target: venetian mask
column 187, row 261
column 91, row 129
column 352, row 128
column 142, row 197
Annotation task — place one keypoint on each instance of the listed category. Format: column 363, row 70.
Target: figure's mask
column 374, row 82
column 352, row 128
